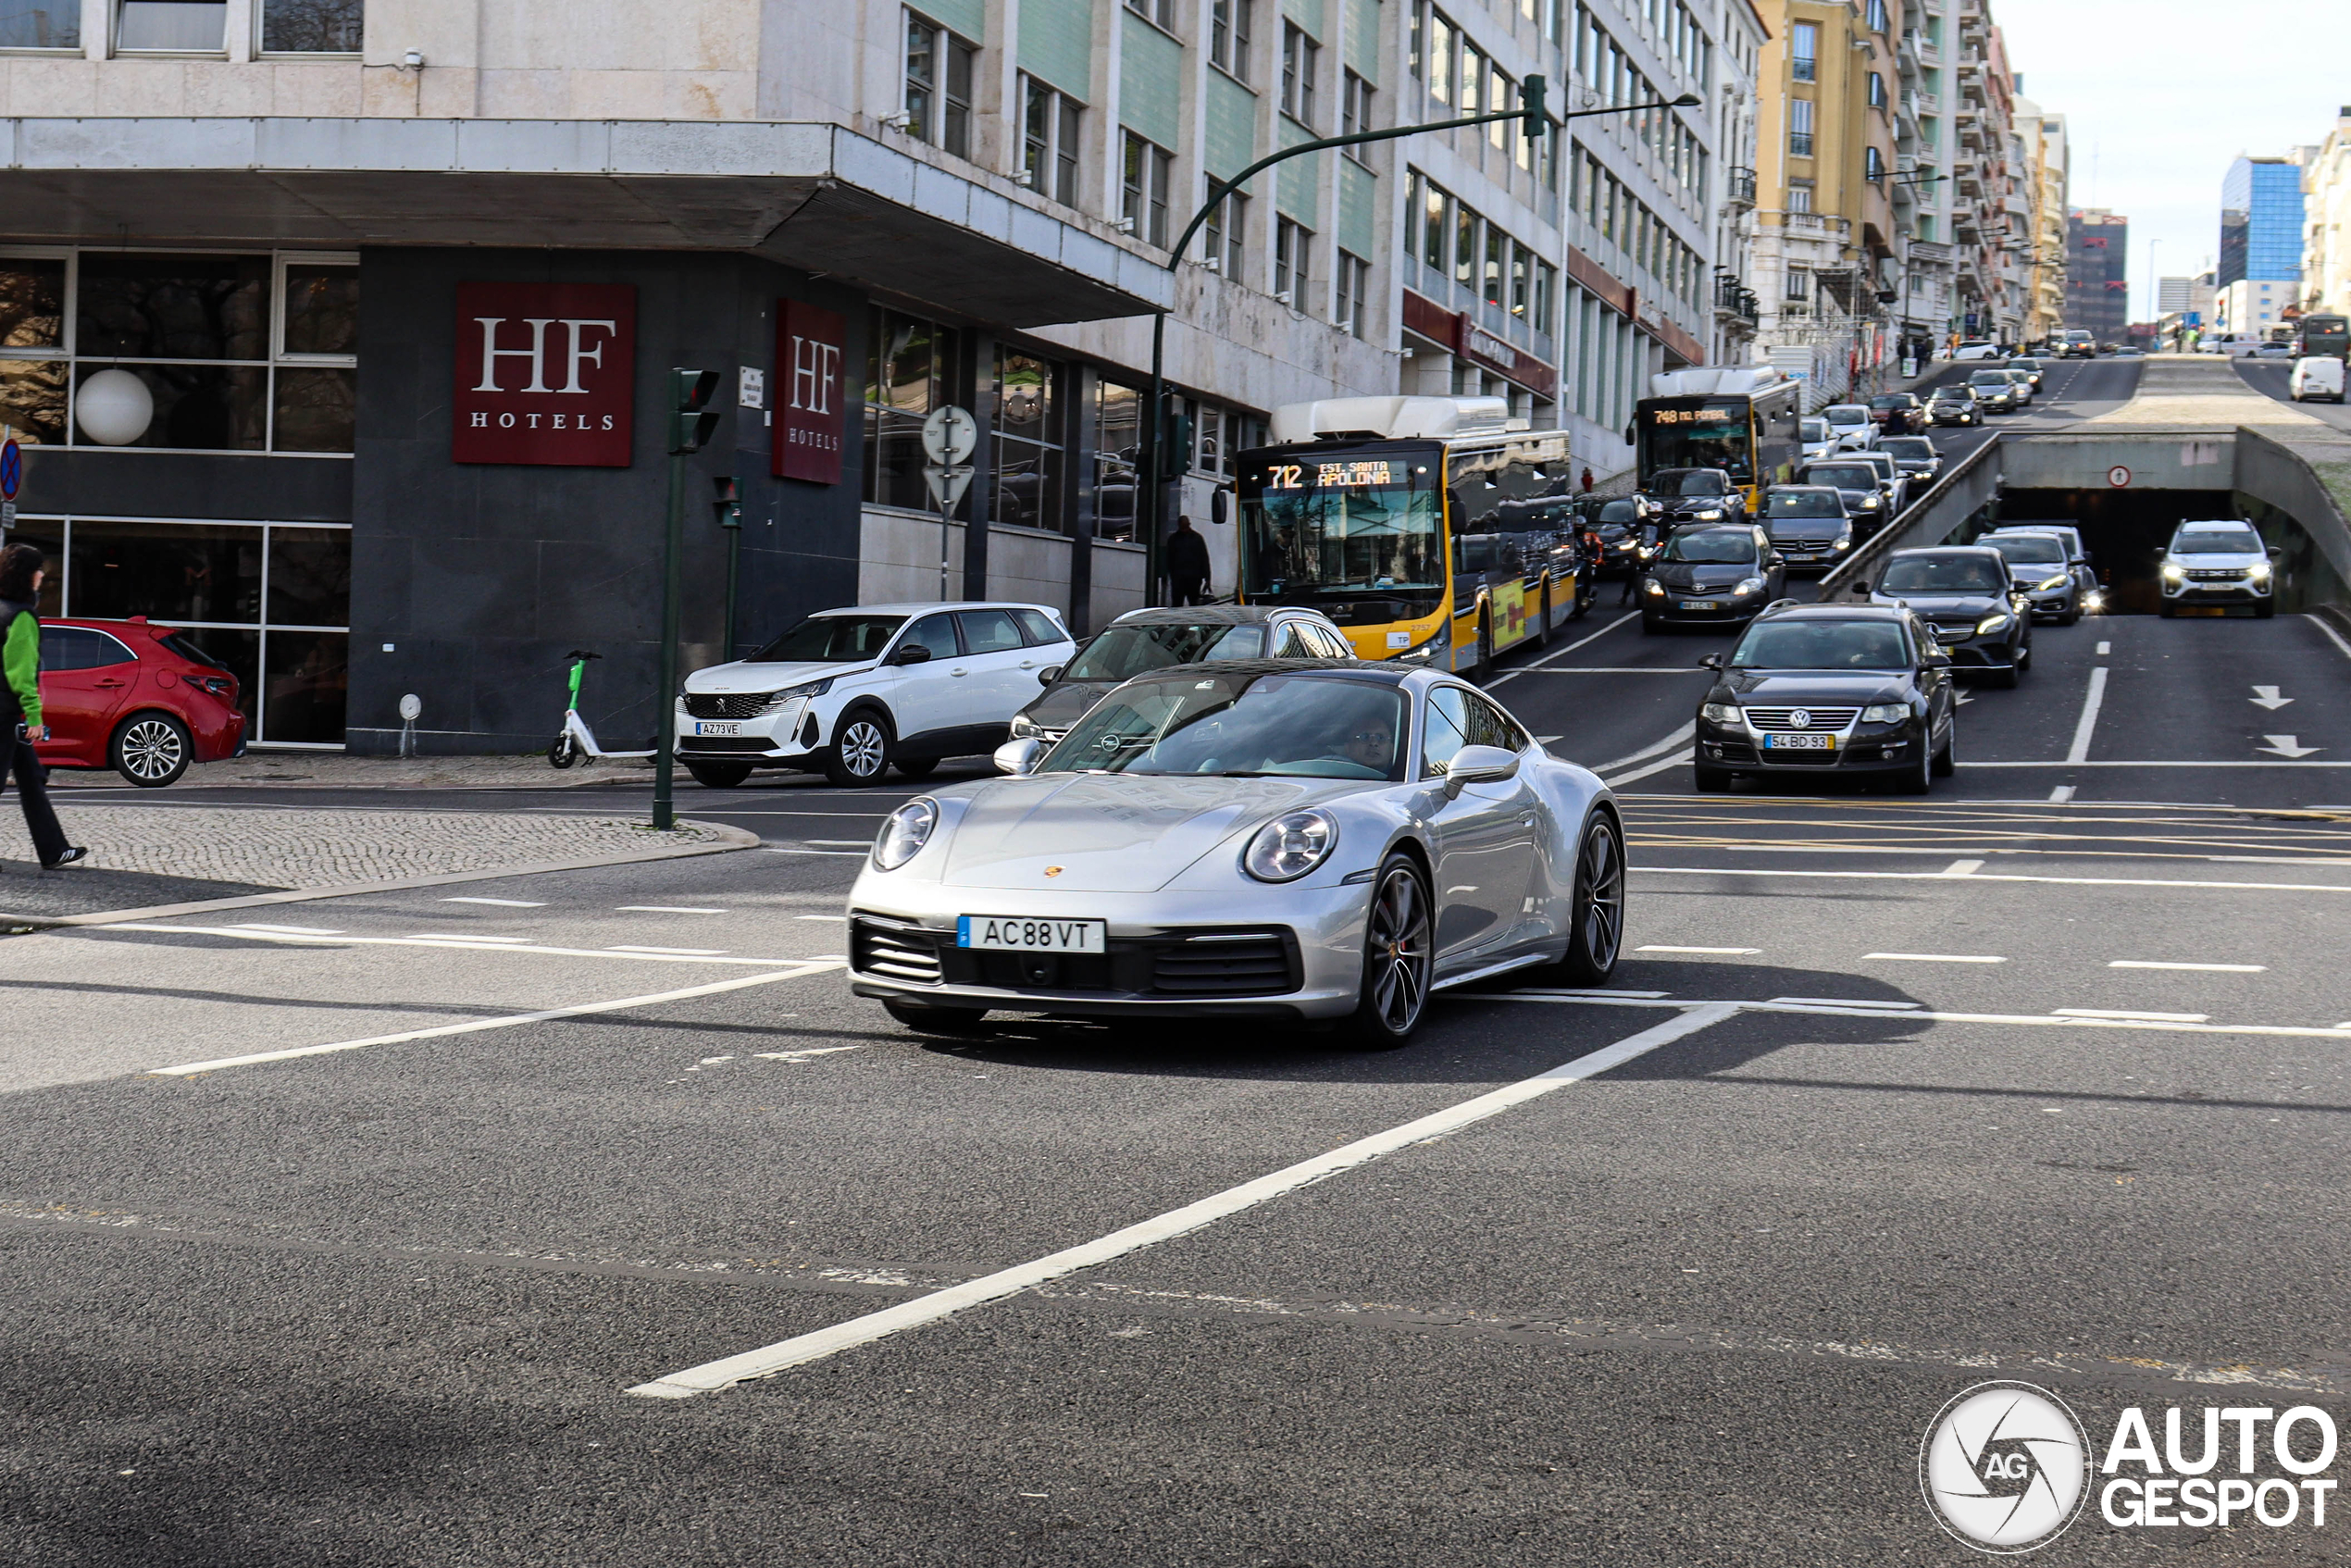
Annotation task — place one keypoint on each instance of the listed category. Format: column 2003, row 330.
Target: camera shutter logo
column 2005, row 1467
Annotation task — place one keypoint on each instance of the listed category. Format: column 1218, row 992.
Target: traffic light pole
column 1533, row 93
column 673, row 594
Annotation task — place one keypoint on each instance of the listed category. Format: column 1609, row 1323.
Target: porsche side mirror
column 1712, row 661
column 1049, row 674
column 1478, row 765
column 1019, row 757
column 911, row 653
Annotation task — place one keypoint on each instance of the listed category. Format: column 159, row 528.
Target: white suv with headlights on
column 2218, row 563
column 853, row 693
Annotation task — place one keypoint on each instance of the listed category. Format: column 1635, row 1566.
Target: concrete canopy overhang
column 814, row 196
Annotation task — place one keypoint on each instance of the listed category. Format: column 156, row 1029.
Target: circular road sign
column 2117, row 476
column 949, row 436
column 11, row 469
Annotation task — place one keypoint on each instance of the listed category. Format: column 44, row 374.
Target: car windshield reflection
column 1125, row 651
column 1712, row 547
column 1822, row 645
column 1241, row 727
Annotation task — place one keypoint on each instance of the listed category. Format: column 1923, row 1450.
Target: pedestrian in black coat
column 1185, row 561
column 21, row 717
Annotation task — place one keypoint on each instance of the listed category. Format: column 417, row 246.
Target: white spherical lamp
column 114, row 407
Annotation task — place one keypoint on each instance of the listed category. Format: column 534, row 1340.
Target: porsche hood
column 1111, row 832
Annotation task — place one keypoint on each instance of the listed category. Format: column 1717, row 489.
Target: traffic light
column 692, row 418
column 727, row 501
column 1175, row 447
column 1531, row 95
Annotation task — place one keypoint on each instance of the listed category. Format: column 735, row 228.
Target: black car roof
column 1386, row 674
column 1201, row 615
column 1946, row 552
column 1853, row 612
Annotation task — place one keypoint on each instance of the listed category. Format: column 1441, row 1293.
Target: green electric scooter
column 576, row 741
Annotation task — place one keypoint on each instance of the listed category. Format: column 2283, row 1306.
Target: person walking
column 1187, row 565
column 20, row 575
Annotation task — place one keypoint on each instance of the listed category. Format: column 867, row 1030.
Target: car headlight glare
column 1713, row 514
column 1749, row 585
column 2171, row 571
column 904, row 832
column 1885, row 713
column 1844, row 544
column 2260, row 572
column 1990, row 624
column 1721, row 712
column 1291, row 845
column 1870, row 503
column 2046, row 584
column 808, row 688
column 1653, row 586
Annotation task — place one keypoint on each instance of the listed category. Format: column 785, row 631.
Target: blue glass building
column 2260, row 222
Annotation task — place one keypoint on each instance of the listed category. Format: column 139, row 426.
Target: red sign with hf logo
column 811, row 408
column 546, row 374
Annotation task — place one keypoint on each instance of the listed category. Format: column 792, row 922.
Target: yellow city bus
column 1747, row 421
column 1423, row 526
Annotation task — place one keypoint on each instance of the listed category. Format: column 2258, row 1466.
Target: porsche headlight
column 1653, row 586
column 1885, row 713
column 904, row 832
column 1749, row 585
column 1720, row 713
column 1991, row 624
column 1291, row 845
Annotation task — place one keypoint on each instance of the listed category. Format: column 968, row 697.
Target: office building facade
column 2097, row 272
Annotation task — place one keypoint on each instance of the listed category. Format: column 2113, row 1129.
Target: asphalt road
column 342, row 1235
column 2270, row 377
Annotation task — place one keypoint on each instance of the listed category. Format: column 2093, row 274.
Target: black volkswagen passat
column 1815, row 689
column 1965, row 592
column 1711, row 574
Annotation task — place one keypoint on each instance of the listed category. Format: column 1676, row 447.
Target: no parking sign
column 11, row 480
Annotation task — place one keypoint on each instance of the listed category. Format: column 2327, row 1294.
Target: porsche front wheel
column 1398, row 954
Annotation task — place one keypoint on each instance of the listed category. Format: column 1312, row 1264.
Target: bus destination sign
column 1355, row 475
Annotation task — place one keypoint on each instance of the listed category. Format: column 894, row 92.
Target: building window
column 1465, row 224
column 1798, row 284
column 1498, row 247
column 1440, row 57
column 1300, row 59
column 40, row 24
column 1799, row 195
column 1804, row 50
column 910, row 369
column 1223, row 233
column 1293, row 262
column 1161, row 13
column 938, row 86
column 310, row 27
column 1028, row 441
column 1048, row 142
column 1877, row 91
column 1350, row 288
column 1877, row 15
column 173, row 27
column 1229, row 37
column 1118, row 449
column 1546, row 290
column 1144, row 191
column 1433, row 231
column 1473, row 70
column 1799, row 128
column 1873, row 164
column 1521, row 280
column 1354, row 110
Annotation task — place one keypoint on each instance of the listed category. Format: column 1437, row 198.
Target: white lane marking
column 2151, row 762
column 2276, row 859
column 2266, row 697
column 810, row 1054
column 477, row 944
column 1636, row 996
column 843, row 919
column 839, row 843
column 2212, row 969
column 662, row 909
column 1717, row 950
column 837, row 854
column 924, row 1310
column 1937, row 957
column 2002, row 877
column 2080, row 750
column 292, row 930
column 505, row 1022
column 1895, row 1010
column 2330, row 635
column 1659, row 766
column 460, row 937
column 2104, row 649
column 2284, row 746
column 1612, row 669
column 2061, row 794
column 1680, row 737
column 2131, row 1014
column 1841, row 1001
column 502, row 903
column 1512, row 675
column 1963, row 868
column 674, row 951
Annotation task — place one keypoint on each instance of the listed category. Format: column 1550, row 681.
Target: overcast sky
column 2160, row 95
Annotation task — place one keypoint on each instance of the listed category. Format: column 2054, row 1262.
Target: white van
column 2319, row 376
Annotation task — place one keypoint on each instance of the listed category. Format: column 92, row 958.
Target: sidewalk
column 146, row 854
column 334, row 770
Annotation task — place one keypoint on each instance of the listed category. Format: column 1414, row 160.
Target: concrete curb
column 731, row 839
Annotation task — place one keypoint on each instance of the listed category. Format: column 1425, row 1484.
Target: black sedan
column 1696, row 495
column 1711, row 575
column 1808, row 525
column 1954, row 406
column 1862, row 486
column 1964, row 592
column 1915, row 457
column 1817, row 689
column 1994, row 393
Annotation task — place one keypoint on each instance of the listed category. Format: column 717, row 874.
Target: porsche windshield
column 1125, row 651
column 1359, row 520
column 1241, row 727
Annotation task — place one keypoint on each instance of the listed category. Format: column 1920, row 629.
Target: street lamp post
column 1531, row 110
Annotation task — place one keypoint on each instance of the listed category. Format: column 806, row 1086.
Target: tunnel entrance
column 2124, row 531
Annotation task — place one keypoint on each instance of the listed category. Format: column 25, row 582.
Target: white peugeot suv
column 2218, row 563
column 853, row 693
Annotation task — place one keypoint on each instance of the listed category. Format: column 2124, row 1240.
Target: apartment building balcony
column 1812, row 225
column 1738, row 188
column 1734, row 300
column 1906, row 49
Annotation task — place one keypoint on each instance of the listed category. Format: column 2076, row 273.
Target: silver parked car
column 1255, row 840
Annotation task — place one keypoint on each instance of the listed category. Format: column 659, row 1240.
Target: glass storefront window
column 32, row 301
column 1118, row 441
column 207, row 407
column 1028, row 441
column 322, row 309
column 134, row 306
column 317, row 410
column 310, row 575
column 909, row 371
column 167, row 571
column 308, row 672
column 33, row 399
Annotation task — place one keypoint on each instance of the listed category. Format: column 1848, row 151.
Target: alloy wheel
column 862, row 747
column 1599, row 872
column 153, row 751
column 1397, row 946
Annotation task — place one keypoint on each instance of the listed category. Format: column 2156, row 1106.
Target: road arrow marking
column 2266, row 697
column 2283, row 746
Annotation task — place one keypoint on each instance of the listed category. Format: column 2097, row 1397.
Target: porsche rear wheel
column 1399, row 942
column 1598, row 936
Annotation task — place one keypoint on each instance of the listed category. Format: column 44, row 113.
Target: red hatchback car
column 142, row 700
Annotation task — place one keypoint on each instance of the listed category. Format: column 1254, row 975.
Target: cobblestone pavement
column 325, row 770
column 143, row 853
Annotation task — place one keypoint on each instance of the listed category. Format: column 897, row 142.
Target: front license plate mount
column 1697, row 604
column 703, row 727
column 1020, row 933
column 1800, row 742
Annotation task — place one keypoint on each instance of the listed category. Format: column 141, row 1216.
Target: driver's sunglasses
column 1374, row 737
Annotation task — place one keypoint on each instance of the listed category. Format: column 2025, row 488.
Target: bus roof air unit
column 1388, row 418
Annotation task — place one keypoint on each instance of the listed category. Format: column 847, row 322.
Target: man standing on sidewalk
column 1187, row 565
column 21, row 726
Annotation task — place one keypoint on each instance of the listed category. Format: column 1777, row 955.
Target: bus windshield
column 1693, row 433
column 1342, row 521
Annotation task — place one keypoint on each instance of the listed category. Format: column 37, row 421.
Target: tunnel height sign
column 545, row 373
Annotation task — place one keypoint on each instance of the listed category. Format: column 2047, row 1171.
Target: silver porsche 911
column 1289, row 840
